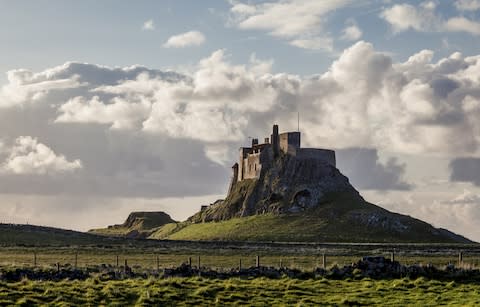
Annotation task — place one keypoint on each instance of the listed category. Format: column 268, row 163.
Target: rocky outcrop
column 146, row 220
column 288, row 185
column 323, row 207
column 137, row 225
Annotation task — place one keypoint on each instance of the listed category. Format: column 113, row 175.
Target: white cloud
column 28, row 156
column 120, row 113
column 467, row 5
column 462, row 24
column 316, row 43
column 403, row 17
column 363, row 100
column 191, row 38
column 351, row 33
column 299, row 21
column 148, row 25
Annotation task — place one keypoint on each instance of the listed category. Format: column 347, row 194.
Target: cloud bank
column 141, row 132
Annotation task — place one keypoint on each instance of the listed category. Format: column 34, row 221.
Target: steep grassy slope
column 137, row 225
column 341, row 220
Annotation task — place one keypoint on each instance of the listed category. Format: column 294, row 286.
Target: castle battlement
column 253, row 159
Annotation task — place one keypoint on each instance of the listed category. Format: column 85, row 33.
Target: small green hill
column 30, row 235
column 340, row 220
column 137, row 225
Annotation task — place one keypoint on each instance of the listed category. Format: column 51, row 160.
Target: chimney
column 254, row 142
column 267, row 140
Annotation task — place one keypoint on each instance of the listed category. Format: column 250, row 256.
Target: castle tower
column 275, row 141
column 234, row 177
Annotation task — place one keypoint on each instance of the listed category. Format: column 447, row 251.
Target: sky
column 108, row 107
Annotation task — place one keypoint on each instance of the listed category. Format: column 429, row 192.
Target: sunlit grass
column 259, row 291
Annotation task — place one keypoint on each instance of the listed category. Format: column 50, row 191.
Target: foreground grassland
column 259, row 291
column 216, row 258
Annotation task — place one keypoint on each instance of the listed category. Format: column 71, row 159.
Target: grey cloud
column 363, row 168
column 465, row 170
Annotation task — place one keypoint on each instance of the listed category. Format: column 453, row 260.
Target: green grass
column 146, row 258
column 253, row 292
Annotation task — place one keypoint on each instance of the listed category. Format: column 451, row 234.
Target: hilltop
column 30, row 235
column 137, row 225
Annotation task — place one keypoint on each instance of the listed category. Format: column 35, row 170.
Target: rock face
column 147, row 220
column 288, row 185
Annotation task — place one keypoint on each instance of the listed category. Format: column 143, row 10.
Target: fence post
column 35, row 259
column 257, row 261
column 76, row 260
column 117, row 262
column 324, row 261
column 190, row 261
column 58, row 267
column 460, row 259
column 126, row 266
column 281, row 263
column 240, row 265
column 198, row 262
column 158, row 264
column 392, row 256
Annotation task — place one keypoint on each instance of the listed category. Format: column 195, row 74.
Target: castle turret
column 234, row 177
column 275, row 141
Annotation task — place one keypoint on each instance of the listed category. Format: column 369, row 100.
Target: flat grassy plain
column 251, row 292
column 146, row 258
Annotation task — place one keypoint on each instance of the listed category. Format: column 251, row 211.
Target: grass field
column 254, row 292
column 213, row 258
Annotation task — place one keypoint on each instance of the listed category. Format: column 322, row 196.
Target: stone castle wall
column 289, row 142
column 317, row 153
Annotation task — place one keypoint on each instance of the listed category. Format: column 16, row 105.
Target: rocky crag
column 137, row 225
column 281, row 192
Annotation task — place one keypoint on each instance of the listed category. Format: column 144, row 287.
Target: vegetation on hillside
column 339, row 220
column 137, row 225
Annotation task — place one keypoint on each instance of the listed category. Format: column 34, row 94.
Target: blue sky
column 393, row 86
column 41, row 34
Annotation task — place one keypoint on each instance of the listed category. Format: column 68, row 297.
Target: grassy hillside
column 137, row 225
column 337, row 221
column 29, row 235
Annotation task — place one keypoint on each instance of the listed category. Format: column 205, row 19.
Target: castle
column 253, row 159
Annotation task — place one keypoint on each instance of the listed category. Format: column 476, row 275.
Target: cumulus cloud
column 187, row 39
column 403, row 17
column 465, row 170
column 467, row 5
column 301, row 22
column 27, row 156
column 158, row 133
column 365, row 171
column 315, row 43
column 352, row 32
column 462, row 24
column 148, row 25
column 119, row 113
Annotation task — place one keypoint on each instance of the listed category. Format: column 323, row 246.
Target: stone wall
column 316, row 153
column 289, row 142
